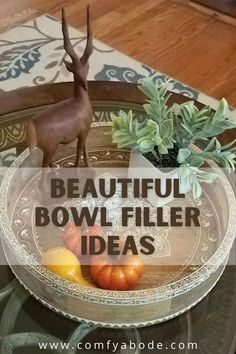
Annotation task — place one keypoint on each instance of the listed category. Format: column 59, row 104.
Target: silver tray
column 163, row 292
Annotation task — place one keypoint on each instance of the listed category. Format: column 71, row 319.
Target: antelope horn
column 89, row 45
column 67, row 43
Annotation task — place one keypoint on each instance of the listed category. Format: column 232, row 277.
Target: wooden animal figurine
column 70, row 119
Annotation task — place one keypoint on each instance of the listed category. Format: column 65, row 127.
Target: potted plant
column 165, row 138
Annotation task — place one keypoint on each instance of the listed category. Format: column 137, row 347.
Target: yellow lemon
column 62, row 262
column 85, row 282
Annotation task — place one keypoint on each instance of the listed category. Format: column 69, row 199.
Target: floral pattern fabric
column 32, row 54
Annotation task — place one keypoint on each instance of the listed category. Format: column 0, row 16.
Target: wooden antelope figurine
column 70, row 119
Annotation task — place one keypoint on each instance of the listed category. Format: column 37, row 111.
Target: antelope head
column 78, row 66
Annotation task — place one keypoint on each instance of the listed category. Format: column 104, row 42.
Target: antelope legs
column 80, row 144
column 47, row 162
column 82, row 147
column 86, row 156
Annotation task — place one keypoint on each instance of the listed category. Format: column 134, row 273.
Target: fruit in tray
column 116, row 273
column 72, row 237
column 109, row 272
column 64, row 263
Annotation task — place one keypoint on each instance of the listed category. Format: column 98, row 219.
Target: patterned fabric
column 32, row 54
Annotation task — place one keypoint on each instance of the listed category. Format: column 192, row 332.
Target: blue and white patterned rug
column 32, row 54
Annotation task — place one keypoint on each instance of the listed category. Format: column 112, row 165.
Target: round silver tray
column 163, row 292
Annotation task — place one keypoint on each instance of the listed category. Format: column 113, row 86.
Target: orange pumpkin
column 72, row 237
column 95, row 230
column 111, row 274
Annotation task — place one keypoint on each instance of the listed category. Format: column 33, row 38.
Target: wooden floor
column 226, row 6
column 170, row 36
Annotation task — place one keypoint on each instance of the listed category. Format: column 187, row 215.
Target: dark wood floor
column 228, row 7
column 194, row 47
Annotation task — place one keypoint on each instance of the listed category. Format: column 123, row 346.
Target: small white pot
column 140, row 167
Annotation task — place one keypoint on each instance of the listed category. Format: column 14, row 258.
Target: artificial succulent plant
column 167, row 131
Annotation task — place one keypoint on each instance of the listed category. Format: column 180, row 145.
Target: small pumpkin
column 95, row 230
column 113, row 274
column 72, row 237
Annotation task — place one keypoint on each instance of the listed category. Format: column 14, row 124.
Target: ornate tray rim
column 101, row 295
column 119, row 325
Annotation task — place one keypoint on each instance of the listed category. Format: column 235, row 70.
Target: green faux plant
column 165, row 135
